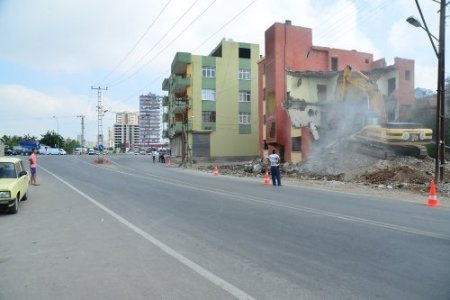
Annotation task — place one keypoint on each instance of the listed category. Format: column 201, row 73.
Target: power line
column 124, row 76
column 226, row 24
column 137, row 43
column 190, row 24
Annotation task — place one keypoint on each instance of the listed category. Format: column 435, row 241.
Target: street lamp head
column 413, row 21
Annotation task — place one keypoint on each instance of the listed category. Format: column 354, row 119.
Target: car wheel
column 15, row 208
column 25, row 196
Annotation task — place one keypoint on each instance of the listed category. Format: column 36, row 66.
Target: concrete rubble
column 344, row 164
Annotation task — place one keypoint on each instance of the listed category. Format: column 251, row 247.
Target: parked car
column 14, row 180
column 91, row 152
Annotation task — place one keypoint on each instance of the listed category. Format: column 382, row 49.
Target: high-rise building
column 150, row 120
column 126, row 131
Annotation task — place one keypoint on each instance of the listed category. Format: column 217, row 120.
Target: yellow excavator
column 376, row 135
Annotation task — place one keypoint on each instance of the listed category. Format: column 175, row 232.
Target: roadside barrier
column 432, row 197
column 266, row 178
column 216, row 171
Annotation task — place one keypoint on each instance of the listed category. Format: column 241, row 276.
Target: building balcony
column 179, row 107
column 271, row 130
column 166, row 84
column 165, row 101
column 180, row 62
column 180, row 84
column 177, row 129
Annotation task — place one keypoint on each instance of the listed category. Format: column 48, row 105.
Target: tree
column 52, row 139
column 13, row 141
column 70, row 145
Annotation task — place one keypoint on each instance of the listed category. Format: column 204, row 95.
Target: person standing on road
column 274, row 160
column 33, row 166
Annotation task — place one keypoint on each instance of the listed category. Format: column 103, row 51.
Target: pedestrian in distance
column 154, row 156
column 33, row 166
column 274, row 160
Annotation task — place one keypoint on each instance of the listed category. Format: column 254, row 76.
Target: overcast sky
column 52, row 52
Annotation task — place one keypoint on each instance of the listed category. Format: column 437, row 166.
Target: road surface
column 133, row 229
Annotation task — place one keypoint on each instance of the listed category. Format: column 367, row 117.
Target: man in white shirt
column 274, row 160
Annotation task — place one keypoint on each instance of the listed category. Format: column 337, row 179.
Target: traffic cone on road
column 169, row 164
column 216, row 171
column 266, row 178
column 432, row 197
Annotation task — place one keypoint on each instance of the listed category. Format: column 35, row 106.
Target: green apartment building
column 212, row 103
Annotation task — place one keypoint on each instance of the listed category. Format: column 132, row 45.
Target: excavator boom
column 382, row 138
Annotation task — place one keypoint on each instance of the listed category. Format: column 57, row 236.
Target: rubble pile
column 342, row 163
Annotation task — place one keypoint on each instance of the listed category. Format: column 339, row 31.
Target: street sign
column 100, row 147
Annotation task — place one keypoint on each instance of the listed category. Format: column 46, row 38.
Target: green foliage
column 13, row 141
column 52, row 139
column 70, row 145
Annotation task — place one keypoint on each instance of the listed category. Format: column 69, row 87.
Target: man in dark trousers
column 274, row 160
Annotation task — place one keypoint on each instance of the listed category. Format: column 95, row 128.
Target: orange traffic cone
column 266, row 178
column 216, row 171
column 170, row 163
column 432, row 197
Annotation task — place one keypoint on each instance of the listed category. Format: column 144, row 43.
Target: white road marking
column 319, row 212
column 233, row 290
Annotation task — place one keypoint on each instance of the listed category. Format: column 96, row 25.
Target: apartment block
column 150, row 120
column 126, row 131
column 212, row 103
column 295, row 70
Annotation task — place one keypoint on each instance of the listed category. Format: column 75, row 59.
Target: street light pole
column 440, row 97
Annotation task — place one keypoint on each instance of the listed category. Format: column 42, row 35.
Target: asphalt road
column 131, row 229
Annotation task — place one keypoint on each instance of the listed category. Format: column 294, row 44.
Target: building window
column 407, row 75
column 391, row 85
column 209, row 71
column 244, row 53
column 244, row 118
column 321, row 93
column 244, row 74
column 209, row 116
column 244, row 96
column 334, row 64
column 296, row 142
column 209, row 94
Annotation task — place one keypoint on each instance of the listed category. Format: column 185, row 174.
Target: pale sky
column 52, row 52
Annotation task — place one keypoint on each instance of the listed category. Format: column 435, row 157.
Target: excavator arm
column 362, row 82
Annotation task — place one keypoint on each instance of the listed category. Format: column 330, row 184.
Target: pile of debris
column 343, row 164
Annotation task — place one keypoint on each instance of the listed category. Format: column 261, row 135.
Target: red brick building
column 289, row 48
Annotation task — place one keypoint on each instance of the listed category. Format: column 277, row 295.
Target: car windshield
column 7, row 170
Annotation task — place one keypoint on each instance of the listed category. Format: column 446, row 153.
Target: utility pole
column 439, row 133
column 100, row 113
column 82, row 130
column 441, row 93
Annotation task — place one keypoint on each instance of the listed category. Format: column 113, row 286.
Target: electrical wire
column 137, row 43
column 124, row 76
